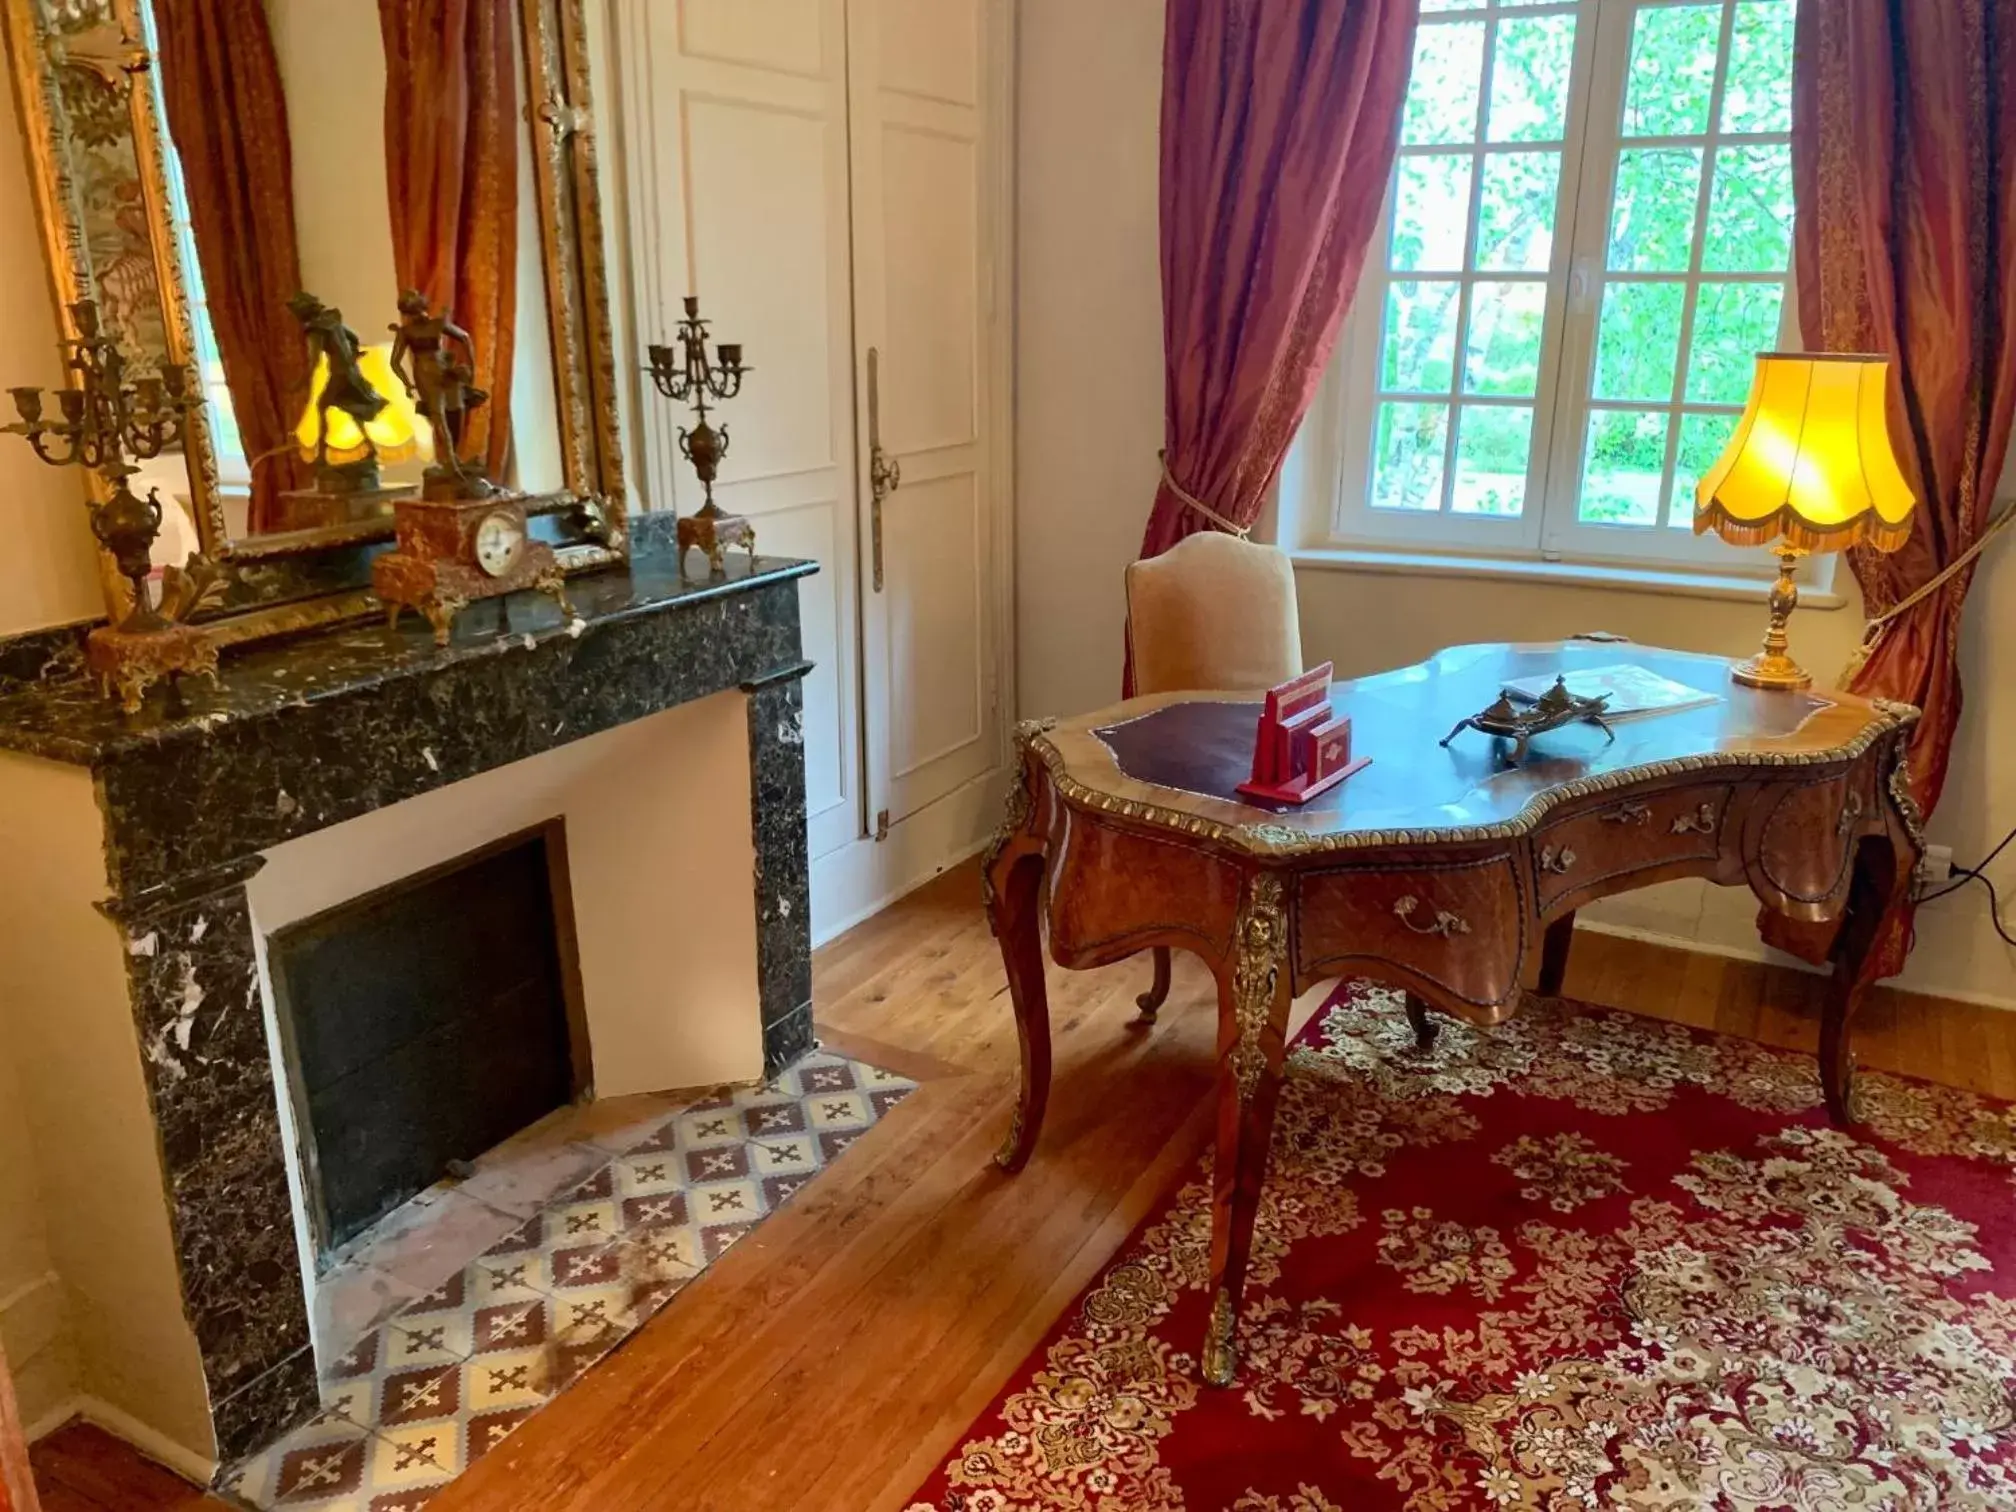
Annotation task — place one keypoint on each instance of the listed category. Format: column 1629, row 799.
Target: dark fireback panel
column 424, row 1024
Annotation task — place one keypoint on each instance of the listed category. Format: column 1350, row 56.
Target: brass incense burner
column 103, row 417
column 687, row 377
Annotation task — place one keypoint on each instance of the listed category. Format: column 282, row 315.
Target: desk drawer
column 1628, row 836
column 1461, row 924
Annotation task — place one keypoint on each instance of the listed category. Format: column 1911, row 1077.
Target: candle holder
column 685, row 376
column 105, row 417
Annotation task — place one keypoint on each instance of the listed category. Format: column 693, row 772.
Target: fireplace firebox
column 424, row 1023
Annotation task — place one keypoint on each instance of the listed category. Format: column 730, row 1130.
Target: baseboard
column 1763, row 954
column 155, row 1446
column 862, row 878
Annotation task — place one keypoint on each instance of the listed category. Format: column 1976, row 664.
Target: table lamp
column 1810, row 468
column 344, row 444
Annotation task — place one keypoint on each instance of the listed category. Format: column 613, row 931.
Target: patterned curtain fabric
column 451, row 161
column 227, row 111
column 1904, row 163
column 1279, row 123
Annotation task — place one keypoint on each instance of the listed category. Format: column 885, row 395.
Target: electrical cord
column 1979, row 873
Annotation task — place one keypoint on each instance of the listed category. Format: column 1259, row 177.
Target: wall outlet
column 1935, row 868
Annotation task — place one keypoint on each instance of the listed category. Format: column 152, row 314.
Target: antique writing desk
column 1441, row 871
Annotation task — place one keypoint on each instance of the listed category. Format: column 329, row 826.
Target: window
column 1587, row 240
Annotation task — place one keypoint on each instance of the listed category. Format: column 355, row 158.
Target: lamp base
column 1779, row 673
column 1773, row 668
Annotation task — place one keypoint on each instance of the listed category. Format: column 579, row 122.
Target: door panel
column 933, row 534
column 736, row 157
column 921, row 300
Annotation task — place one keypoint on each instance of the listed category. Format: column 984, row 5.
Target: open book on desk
column 1634, row 692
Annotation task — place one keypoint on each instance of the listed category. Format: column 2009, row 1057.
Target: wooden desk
column 1440, row 871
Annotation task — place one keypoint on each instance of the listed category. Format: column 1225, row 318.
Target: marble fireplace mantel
column 302, row 735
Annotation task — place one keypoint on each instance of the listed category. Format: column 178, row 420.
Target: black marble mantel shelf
column 303, row 734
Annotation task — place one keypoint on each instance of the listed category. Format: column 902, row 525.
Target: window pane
column 1494, row 444
column 1430, row 6
column 1652, row 226
column 1624, row 465
column 1672, row 70
column 1515, row 215
column 1529, row 79
column 1733, row 322
column 1431, row 212
column 1448, row 75
column 1750, row 211
column 1758, row 94
column 1638, row 341
column 1408, row 456
column 1420, row 352
column 1702, row 439
column 1503, row 355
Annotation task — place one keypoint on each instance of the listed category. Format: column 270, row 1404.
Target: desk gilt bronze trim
column 1446, row 872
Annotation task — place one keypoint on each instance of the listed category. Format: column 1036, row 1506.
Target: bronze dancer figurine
column 441, row 383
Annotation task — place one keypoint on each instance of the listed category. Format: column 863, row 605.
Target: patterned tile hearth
column 426, row 1393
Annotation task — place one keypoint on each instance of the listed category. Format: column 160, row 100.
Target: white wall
column 1090, row 423
column 48, row 575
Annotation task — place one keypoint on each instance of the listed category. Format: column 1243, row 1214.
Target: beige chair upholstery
column 1213, row 613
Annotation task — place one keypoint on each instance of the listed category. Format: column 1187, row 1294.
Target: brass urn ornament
column 105, row 416
column 464, row 539
column 687, row 377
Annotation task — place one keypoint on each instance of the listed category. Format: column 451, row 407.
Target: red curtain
column 451, row 159
column 227, row 112
column 1904, row 147
column 1279, row 123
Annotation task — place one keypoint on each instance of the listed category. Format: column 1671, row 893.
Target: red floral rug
column 1581, row 1260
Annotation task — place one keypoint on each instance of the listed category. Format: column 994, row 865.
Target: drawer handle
column 1850, row 815
column 1446, row 924
column 1629, row 813
column 1700, row 822
column 1559, row 862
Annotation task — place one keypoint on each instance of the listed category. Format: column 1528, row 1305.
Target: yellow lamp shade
column 1811, row 461
column 390, row 435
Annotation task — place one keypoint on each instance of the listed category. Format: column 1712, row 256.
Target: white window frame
column 1326, row 486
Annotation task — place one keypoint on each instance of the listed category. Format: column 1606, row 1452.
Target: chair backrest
column 1213, row 613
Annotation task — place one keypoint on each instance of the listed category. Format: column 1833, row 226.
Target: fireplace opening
column 426, row 1022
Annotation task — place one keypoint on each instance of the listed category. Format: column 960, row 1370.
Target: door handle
column 885, row 473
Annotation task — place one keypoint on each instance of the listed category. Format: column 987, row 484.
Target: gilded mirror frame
column 294, row 581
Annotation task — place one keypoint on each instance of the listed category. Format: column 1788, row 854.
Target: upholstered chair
column 1212, row 614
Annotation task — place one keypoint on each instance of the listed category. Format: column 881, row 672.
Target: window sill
column 1669, row 584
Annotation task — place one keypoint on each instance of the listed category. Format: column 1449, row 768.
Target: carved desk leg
column 1151, row 1001
column 1554, row 947
column 1255, row 989
column 1880, row 885
column 1013, row 876
column 1423, row 1022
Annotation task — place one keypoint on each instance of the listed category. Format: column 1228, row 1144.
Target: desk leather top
column 1176, row 759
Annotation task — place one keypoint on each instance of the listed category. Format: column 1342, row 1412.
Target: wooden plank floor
column 829, row 1360
column 82, row 1468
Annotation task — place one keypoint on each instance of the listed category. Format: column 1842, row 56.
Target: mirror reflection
column 335, row 173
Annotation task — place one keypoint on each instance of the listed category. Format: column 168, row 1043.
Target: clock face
column 500, row 541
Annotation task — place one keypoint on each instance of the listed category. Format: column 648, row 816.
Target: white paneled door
column 735, row 160
column 923, row 309
column 830, row 178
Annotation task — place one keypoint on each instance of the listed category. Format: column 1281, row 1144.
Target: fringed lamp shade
column 1810, row 468
column 1811, row 461
column 391, row 435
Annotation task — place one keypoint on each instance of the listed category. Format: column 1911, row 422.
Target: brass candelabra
column 686, row 376
column 106, row 415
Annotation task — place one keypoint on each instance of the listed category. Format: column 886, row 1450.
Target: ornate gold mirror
column 243, row 186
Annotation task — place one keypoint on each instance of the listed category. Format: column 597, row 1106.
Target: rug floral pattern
column 1582, row 1260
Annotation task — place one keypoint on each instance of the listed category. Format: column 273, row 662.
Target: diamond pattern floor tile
column 428, row 1393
